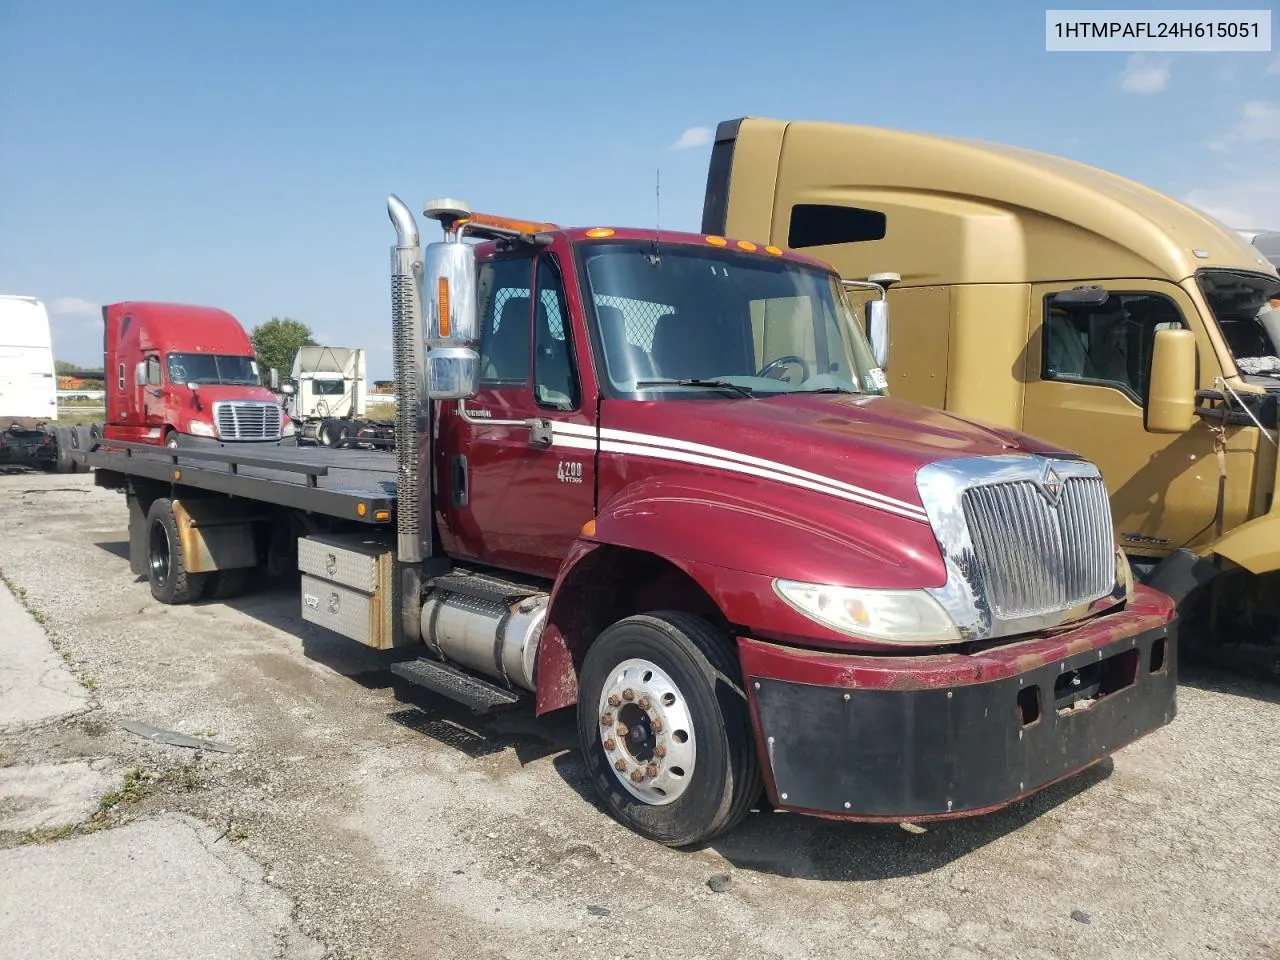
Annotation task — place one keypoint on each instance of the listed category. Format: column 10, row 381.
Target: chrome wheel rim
column 646, row 731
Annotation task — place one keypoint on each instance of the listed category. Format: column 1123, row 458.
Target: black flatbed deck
column 357, row 485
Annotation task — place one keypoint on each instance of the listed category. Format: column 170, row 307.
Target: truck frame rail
column 347, row 484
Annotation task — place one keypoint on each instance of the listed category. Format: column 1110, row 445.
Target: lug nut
column 611, row 744
column 651, row 771
column 619, row 764
column 644, row 703
column 657, row 724
column 622, row 729
column 660, row 751
column 615, row 700
column 637, row 776
column 628, row 694
column 607, row 719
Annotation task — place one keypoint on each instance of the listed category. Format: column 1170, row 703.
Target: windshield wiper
column 827, row 390
column 699, row 382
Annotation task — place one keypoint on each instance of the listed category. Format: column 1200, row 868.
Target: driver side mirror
column 1171, row 392
column 452, row 327
column 287, row 389
column 878, row 331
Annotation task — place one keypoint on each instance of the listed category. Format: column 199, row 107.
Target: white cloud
column 1241, row 204
column 1243, row 191
column 73, row 307
column 1144, row 75
column 1259, row 120
column 693, row 137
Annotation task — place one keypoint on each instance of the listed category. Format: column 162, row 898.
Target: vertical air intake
column 406, row 344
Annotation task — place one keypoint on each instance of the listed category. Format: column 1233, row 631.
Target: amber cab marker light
column 444, row 308
column 361, row 509
column 596, row 233
column 776, row 251
column 746, row 245
column 717, row 241
column 589, row 528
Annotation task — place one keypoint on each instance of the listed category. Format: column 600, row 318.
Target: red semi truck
column 659, row 477
column 177, row 372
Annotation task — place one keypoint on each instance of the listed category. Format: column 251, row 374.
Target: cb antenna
column 654, row 257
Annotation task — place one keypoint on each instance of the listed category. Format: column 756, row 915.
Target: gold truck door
column 1087, row 370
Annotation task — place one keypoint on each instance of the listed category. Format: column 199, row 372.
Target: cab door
column 153, row 391
column 1087, row 370
column 507, row 496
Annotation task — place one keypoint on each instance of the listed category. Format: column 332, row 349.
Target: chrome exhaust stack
column 412, row 546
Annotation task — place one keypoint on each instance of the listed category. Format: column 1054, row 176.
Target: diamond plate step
column 484, row 586
column 448, row 681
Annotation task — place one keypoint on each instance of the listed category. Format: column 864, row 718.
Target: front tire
column 664, row 727
column 166, row 570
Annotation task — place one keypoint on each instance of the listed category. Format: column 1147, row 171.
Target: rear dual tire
column 673, row 679
column 170, row 581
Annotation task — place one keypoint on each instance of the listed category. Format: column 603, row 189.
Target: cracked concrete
column 48, row 795
column 164, row 886
column 152, row 890
column 35, row 685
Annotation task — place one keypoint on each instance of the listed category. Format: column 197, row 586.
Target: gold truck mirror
column 1171, row 397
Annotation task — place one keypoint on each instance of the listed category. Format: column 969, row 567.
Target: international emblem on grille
column 1050, row 485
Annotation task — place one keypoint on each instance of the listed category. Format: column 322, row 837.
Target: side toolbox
column 348, row 586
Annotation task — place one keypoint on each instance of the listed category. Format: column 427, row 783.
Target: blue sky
column 239, row 154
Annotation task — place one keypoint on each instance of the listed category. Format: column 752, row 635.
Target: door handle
column 540, row 432
column 459, row 480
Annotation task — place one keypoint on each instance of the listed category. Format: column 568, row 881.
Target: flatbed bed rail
column 347, row 484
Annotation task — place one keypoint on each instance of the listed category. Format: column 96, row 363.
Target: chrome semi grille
column 247, row 420
column 1034, row 557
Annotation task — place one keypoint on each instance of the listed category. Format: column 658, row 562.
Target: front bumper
column 931, row 737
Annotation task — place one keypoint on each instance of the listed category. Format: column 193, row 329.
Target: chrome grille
column 1034, row 558
column 247, row 420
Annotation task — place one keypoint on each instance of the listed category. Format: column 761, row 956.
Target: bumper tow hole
column 1159, row 655
column 1029, row 704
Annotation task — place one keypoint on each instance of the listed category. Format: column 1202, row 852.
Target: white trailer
column 28, row 386
column 29, row 433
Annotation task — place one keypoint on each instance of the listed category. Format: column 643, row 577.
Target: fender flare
column 1254, row 545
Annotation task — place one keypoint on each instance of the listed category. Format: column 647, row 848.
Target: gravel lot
column 398, row 827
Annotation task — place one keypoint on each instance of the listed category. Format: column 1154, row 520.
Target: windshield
column 755, row 325
column 212, row 368
column 1247, row 309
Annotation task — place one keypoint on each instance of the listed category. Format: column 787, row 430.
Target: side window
column 505, row 314
column 555, row 375
column 1108, row 345
column 153, row 371
column 821, row 224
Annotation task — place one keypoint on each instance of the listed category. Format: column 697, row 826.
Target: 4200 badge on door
column 569, row 471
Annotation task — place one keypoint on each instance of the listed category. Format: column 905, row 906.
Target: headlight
column 287, row 428
column 894, row 616
column 198, row 428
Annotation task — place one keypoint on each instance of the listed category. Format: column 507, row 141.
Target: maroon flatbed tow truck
column 660, row 477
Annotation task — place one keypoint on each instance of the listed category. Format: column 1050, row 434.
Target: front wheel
column 664, row 727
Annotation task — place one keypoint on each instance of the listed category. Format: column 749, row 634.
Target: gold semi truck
column 1037, row 293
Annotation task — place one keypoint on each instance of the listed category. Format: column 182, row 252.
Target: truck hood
column 875, row 443
column 212, row 393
